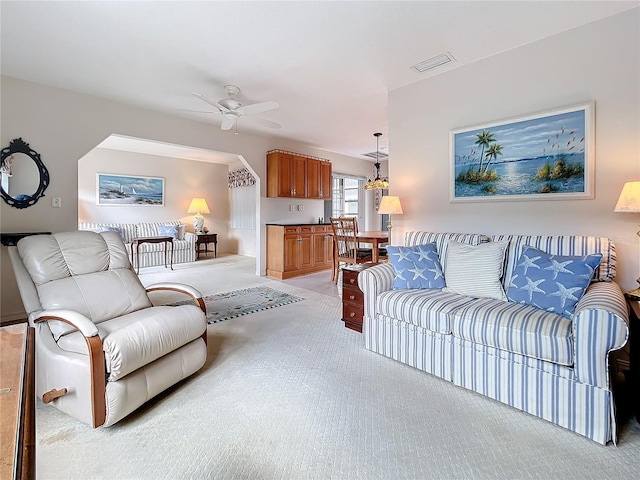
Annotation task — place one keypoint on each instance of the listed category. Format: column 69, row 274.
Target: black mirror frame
column 18, row 145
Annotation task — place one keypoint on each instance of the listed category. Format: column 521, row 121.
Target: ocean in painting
column 519, row 178
column 125, row 190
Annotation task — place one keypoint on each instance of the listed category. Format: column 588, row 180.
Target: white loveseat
column 151, row 254
column 546, row 364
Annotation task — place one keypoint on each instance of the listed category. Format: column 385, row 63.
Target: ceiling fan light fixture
column 230, row 108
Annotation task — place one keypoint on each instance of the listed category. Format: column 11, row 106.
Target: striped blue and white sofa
column 545, row 364
column 151, row 254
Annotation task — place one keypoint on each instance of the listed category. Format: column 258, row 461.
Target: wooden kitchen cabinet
column 286, row 175
column 323, row 245
column 294, row 250
column 318, row 179
column 296, row 176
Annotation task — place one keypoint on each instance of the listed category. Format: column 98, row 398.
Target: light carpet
column 225, row 306
column 289, row 393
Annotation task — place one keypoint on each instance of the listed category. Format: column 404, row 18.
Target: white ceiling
column 330, row 65
column 150, row 147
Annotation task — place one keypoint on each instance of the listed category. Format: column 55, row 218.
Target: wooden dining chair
column 345, row 244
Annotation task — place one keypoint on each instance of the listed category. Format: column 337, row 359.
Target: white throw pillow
column 475, row 270
column 182, row 228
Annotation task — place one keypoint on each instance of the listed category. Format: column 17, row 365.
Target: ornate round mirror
column 24, row 178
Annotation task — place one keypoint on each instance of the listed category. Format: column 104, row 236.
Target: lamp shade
column 390, row 205
column 198, row 205
column 629, row 200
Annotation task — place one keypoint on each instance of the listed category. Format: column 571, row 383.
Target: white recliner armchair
column 102, row 348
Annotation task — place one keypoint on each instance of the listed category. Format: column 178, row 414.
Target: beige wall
column 598, row 62
column 63, row 126
column 184, row 179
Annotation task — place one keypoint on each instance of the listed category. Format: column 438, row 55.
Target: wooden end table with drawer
column 352, row 296
column 205, row 239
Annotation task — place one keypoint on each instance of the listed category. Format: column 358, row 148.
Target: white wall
column 63, row 126
column 598, row 62
column 184, row 179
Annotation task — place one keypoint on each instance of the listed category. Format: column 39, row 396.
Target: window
column 347, row 197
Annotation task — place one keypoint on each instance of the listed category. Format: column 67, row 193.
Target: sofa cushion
column 416, row 267
column 139, row 338
column 424, row 308
column 182, row 229
column 168, row 231
column 150, row 229
column 562, row 245
column 515, row 328
column 85, row 293
column 118, row 230
column 554, row 283
column 159, row 247
column 128, row 229
column 442, row 240
column 475, row 270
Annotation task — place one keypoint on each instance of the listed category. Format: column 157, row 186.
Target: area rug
column 224, row 306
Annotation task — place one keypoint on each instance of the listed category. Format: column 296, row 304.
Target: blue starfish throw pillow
column 554, row 283
column 416, row 267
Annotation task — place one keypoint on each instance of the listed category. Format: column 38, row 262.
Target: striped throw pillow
column 475, row 270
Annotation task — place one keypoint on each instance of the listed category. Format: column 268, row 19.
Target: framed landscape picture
column 544, row 156
column 113, row 189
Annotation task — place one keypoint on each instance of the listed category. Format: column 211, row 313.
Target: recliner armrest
column 181, row 288
column 75, row 319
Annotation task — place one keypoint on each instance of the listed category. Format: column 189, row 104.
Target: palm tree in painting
column 484, row 140
column 493, row 151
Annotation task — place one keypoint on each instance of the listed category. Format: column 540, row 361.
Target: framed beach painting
column 114, row 189
column 543, row 156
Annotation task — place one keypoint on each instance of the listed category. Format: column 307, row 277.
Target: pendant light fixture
column 379, row 183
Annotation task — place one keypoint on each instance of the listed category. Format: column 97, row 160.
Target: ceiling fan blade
column 193, row 111
column 259, row 107
column 220, row 108
column 264, row 122
column 227, row 123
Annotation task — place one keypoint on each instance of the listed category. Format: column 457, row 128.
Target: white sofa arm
column 373, row 281
column 181, row 288
column 75, row 319
column 600, row 325
column 190, row 237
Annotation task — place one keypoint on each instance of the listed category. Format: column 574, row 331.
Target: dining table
column 375, row 238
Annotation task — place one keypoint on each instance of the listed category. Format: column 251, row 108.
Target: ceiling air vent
column 381, row 156
column 434, row 62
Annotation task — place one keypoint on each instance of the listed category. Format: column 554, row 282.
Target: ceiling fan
column 232, row 109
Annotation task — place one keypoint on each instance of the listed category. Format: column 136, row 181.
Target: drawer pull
column 352, row 281
column 352, row 314
column 352, row 297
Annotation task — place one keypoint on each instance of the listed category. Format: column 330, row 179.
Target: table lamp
column 198, row 206
column 390, row 205
column 629, row 202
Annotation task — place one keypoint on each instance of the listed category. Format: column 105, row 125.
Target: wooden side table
column 634, row 360
column 205, row 239
column 168, row 240
column 352, row 296
column 17, row 402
